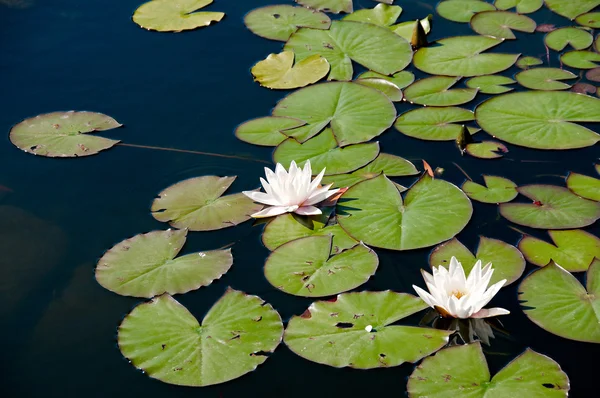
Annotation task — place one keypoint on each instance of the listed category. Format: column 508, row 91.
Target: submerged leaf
column 279, row 72
column 278, row 22
column 175, row 15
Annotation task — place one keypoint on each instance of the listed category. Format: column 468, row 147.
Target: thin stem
column 219, row 155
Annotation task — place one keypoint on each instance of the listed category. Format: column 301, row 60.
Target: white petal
column 426, row 297
column 427, row 276
column 315, row 183
column 270, row 212
column 308, row 211
column 489, row 294
column 490, row 312
column 261, row 197
column 320, row 195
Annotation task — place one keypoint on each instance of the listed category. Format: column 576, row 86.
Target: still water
column 189, row 91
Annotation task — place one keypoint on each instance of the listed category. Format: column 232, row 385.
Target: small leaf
column 547, row 79
column 493, row 84
column 278, row 22
column 526, row 62
column 497, row 190
column 500, row 24
column 577, row 38
column 175, row 16
column 486, row 149
column 278, row 72
column 581, row 59
column 584, row 186
column 435, row 91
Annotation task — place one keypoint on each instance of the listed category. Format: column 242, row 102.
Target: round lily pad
column 334, row 6
column 197, row 204
column 552, row 208
column 433, row 211
column 455, row 370
column 581, row 59
column 278, row 71
column 522, row 6
column 486, row 149
column 358, row 330
column 500, row 24
column 63, row 134
column 577, row 38
column 346, row 41
column 304, row 267
column 574, row 250
column 462, row 56
column 434, row 124
column 382, row 15
column 553, row 299
column 356, row 113
column 526, row 62
column 385, row 86
column 493, row 84
column 390, row 165
column 584, row 186
column 462, row 10
column 162, row 338
column 175, row 16
column 436, row 91
column 323, row 153
column 539, row 119
column 507, row 260
column 280, row 21
column 547, row 79
column 591, row 20
column 266, row 131
column 401, row 79
column 496, row 190
column 146, row 265
column 571, row 9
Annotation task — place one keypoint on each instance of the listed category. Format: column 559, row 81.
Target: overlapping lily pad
column 407, row 29
column 304, row 267
column 401, row 79
column 63, row 134
column 436, row 91
column 461, row 370
column 267, row 131
column 496, row 190
column 486, row 149
column 278, row 71
column 555, row 300
column 522, row 6
column 356, row 330
column 462, row 10
column 346, row 41
column 146, row 265
column 433, row 211
column 581, row 59
column 507, row 260
column 552, row 208
column 175, row 16
column 500, row 24
column 577, row 38
column 278, row 22
column 542, row 120
column 434, row 124
column 463, row 56
column 493, row 84
column 323, row 152
column 382, row 14
column 546, row 79
column 197, row 204
column 591, row 20
column 334, row 6
column 164, row 339
column 574, row 250
column 385, row 86
column 571, row 9
column 356, row 113
column 584, row 186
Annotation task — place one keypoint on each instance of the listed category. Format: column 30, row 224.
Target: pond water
column 189, row 91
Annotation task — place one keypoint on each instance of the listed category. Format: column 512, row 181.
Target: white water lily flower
column 452, row 294
column 291, row 192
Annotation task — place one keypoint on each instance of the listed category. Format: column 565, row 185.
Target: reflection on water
column 17, row 3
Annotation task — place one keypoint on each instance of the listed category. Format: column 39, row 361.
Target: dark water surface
column 189, row 91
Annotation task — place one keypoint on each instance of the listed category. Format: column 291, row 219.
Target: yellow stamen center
column 458, row 294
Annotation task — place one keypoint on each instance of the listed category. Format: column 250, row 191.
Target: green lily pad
column 577, row 38
column 401, row 79
column 63, row 134
column 540, row 119
column 323, row 152
column 553, row 208
column 581, row 59
column 572, row 8
column 381, row 14
column 435, row 91
column 266, row 131
column 500, row 24
column 390, row 165
column 356, row 113
column 462, row 371
column 175, row 15
column 462, row 10
column 486, row 149
column 496, row 190
column 145, row 265
column 574, row 250
column 526, row 62
column 597, row 43
column 434, row 124
column 433, row 211
column 334, row 6
column 584, row 186
column 280, row 21
column 462, row 56
column 493, row 84
column 385, row 86
column 304, row 267
column 522, row 6
column 547, row 79
column 346, row 41
column 278, row 71
column 289, row 227
column 591, row 20
column 197, row 204
column 553, row 299
column 406, row 29
column 336, row 333
column 162, row 338
column 507, row 260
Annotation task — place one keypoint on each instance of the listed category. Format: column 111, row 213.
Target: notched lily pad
column 175, row 15
column 486, row 149
column 434, row 124
column 526, row 62
column 382, row 15
column 496, row 190
column 584, row 186
column 267, row 131
column 545, row 79
column 500, row 24
column 63, row 134
column 493, row 84
column 571, row 9
column 436, row 91
column 577, row 38
column 278, row 22
column 590, row 19
column 278, row 71
column 581, row 59
column 462, row 10
column 522, row 6
column 147, row 265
